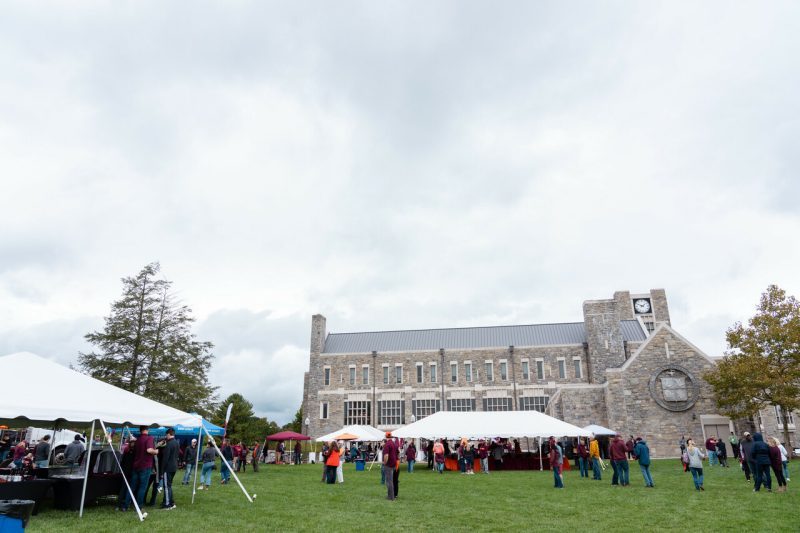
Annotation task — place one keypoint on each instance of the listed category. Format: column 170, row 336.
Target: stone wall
column 603, row 337
column 658, row 298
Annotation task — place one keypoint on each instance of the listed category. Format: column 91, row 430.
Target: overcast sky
column 391, row 165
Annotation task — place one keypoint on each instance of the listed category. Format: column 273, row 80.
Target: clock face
column 641, row 306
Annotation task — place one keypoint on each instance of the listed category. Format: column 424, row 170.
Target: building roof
column 470, row 338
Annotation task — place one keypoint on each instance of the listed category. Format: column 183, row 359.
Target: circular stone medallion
column 674, row 388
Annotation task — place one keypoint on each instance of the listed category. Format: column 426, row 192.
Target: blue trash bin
column 14, row 515
column 360, row 465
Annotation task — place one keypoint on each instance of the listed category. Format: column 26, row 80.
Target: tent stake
column 124, row 479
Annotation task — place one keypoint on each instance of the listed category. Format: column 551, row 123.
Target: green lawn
column 292, row 498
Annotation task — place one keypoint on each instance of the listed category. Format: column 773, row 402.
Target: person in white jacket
column 340, row 469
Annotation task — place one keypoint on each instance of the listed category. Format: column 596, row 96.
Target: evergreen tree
column 762, row 364
column 147, row 346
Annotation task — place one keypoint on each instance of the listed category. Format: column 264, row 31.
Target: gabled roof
column 470, row 338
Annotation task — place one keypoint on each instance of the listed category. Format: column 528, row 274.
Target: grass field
column 292, row 498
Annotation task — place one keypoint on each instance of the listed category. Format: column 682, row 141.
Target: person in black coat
column 722, row 453
column 169, row 465
column 126, row 462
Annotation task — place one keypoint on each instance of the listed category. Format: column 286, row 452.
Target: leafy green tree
column 147, row 346
column 243, row 424
column 762, row 364
column 296, row 424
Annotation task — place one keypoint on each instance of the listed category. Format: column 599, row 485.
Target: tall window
column 577, row 363
column 468, row 372
column 497, row 404
column 365, row 375
column 461, row 404
column 453, row 372
column 562, row 369
column 391, row 412
column 398, row 373
column 540, row 370
column 423, row 408
column 433, row 372
column 357, row 413
column 327, row 376
column 489, row 371
column 780, row 417
column 385, row 375
column 526, row 371
column 419, row 372
column 503, row 370
column 323, row 410
column 352, row 375
column 533, row 403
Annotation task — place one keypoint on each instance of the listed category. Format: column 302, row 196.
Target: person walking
column 583, row 458
column 483, row 455
column 594, row 457
column 556, row 460
column 411, row 456
column 438, row 455
column 332, row 462
column 734, row 444
column 762, row 463
column 143, row 454
column 169, row 466
column 642, row 454
column 711, row 450
column 189, row 461
column 784, row 460
column 207, row 459
column 390, row 462
column 695, row 464
column 620, row 462
column 722, row 453
column 746, row 455
column 225, row 468
column 776, row 461
column 41, row 452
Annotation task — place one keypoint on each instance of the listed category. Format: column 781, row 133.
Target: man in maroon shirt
column 389, row 464
column 619, row 461
column 143, row 454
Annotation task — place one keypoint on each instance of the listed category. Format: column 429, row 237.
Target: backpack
column 685, row 457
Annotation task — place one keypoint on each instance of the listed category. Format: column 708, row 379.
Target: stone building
column 623, row 367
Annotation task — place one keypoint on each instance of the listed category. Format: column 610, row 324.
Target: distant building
column 623, row 367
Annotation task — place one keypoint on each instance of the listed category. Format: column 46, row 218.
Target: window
column 357, row 413
column 539, row 369
column 780, row 417
column 323, row 410
column 468, row 372
column 489, row 371
column 327, row 376
column 352, row 375
column 454, row 372
column 533, row 403
column 391, row 413
column 503, row 370
column 497, row 404
column 398, row 373
column 526, row 370
column 419, row 372
column 461, row 404
column 365, row 374
column 385, row 375
column 577, row 363
column 650, row 326
column 562, row 369
column 423, row 408
column 433, row 372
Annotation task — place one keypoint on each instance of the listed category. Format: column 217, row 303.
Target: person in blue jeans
column 143, row 454
column 642, row 454
column 583, row 457
column 695, row 463
column 556, row 460
column 209, row 455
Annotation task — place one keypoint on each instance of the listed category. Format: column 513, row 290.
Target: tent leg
column 541, row 467
column 125, row 480
column 86, row 473
column 197, row 458
column 229, row 466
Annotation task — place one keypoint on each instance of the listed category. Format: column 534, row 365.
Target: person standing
column 711, row 450
column 19, row 453
column 620, row 462
column 642, row 454
column 629, row 444
column 298, row 453
column 227, row 463
column 784, row 460
column 411, row 456
column 734, row 444
column 190, row 461
column 469, row 458
column 326, row 451
column 242, row 456
column 390, row 463
column 143, row 454
column 776, row 462
column 438, row 455
column 169, row 465
column 483, row 455
column 340, row 467
column 762, row 463
column 254, row 454
column 72, row 455
column 583, row 458
column 556, row 460
column 208, row 459
column 695, row 464
column 332, row 463
column 746, row 453
column 594, row 456
column 41, row 452
column 722, row 453
column 429, row 454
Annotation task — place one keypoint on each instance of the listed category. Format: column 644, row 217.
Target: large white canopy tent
column 364, row 433
column 59, row 395
column 599, row 430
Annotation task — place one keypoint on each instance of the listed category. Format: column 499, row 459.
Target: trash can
column 14, row 515
column 360, row 465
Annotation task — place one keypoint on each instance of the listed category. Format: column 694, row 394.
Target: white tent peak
column 599, row 430
column 479, row 424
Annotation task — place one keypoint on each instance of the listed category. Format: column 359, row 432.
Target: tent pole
column 130, row 490
column 197, row 458
column 541, row 467
column 229, row 466
column 86, row 473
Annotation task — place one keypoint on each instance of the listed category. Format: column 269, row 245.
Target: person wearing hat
column 72, row 454
column 190, row 460
column 390, row 464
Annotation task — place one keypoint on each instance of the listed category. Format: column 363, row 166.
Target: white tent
column 599, row 430
column 504, row 424
column 364, row 433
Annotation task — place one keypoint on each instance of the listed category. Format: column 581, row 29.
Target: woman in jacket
column 695, row 463
column 438, row 455
column 594, row 457
column 776, row 463
column 411, row 456
column 332, row 463
column 583, row 457
column 209, row 454
column 760, row 454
